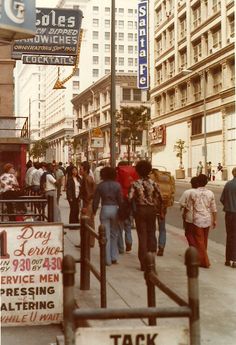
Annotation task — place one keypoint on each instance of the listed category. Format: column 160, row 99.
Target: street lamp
column 113, row 88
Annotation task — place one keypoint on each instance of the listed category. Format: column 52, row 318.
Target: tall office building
column 94, row 63
column 192, row 67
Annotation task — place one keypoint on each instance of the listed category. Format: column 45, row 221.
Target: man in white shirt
column 51, row 189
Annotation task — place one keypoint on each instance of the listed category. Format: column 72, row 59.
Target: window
column 171, row 68
column 107, row 23
column 95, row 8
column 121, row 49
column 75, row 84
column 171, row 37
column 197, row 89
column 121, row 61
column 172, row 100
column 215, row 6
column 231, row 26
column 95, row 60
column 107, row 35
column 183, row 95
column 95, row 22
column 95, row 35
column 183, row 60
column 130, row 37
column 121, row 11
column 158, row 105
column 107, row 10
column 107, row 48
column 107, row 60
column 130, row 62
column 216, row 38
column 197, row 125
column 130, row 11
column 159, row 47
column 196, row 16
column 158, row 16
column 107, row 71
column 217, row 80
column 197, row 51
column 126, row 94
column 95, row 47
column 130, row 49
column 159, row 76
column 130, row 25
column 182, row 27
column 95, row 73
column 137, row 93
column 121, row 24
column 121, row 36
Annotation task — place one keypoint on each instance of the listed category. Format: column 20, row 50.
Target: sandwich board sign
column 152, row 335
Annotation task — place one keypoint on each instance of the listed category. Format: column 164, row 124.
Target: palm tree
column 130, row 123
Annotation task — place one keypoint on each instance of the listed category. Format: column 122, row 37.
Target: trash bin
column 180, row 173
column 224, row 174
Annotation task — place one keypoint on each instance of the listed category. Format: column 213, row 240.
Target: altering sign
column 142, row 82
column 132, row 336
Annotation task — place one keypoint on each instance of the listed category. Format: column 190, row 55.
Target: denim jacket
column 109, row 192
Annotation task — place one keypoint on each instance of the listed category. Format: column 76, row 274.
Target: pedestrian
column 126, row 174
column 228, row 199
column 199, row 168
column 68, row 173
column 204, row 216
column 109, row 192
column 97, row 175
column 51, row 189
column 73, row 195
column 60, row 180
column 145, row 197
column 87, row 191
column 60, row 166
column 36, row 175
column 187, row 211
column 29, row 176
column 209, row 167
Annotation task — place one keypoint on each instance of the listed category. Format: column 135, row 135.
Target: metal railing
column 185, row 309
column 14, row 126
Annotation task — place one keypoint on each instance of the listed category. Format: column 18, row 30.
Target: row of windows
column 95, row 71
column 120, row 60
column 130, row 11
column 121, row 23
column 121, row 48
column 121, row 36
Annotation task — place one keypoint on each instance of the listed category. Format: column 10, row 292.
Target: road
column 174, row 215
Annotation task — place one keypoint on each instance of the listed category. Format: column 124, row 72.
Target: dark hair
column 108, row 173
column 202, row 180
column 122, row 163
column 86, row 166
column 194, row 182
column 143, row 168
column 60, row 163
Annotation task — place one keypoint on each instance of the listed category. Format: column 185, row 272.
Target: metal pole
column 102, row 244
column 192, row 263
column 151, row 294
column 68, row 270
column 205, row 129
column 113, row 88
column 84, row 256
column 50, row 208
column 29, row 119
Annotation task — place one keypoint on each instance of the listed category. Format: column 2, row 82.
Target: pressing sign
column 132, row 336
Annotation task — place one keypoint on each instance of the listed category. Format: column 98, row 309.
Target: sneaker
column 114, row 262
column 128, row 247
column 233, row 264
column 227, row 263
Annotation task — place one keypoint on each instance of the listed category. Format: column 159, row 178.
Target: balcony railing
column 14, row 127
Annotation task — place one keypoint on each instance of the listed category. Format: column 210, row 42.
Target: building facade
column 192, row 68
column 93, row 114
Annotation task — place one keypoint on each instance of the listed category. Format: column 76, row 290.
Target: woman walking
column 109, row 192
column 145, row 195
column 72, row 193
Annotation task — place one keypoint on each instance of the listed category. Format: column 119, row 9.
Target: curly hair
column 143, row 168
column 7, row 167
column 202, row 180
column 108, row 173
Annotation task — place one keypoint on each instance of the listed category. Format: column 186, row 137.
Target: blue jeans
column 109, row 219
column 162, row 232
column 126, row 226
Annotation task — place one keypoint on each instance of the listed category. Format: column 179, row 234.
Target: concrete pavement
column 126, row 285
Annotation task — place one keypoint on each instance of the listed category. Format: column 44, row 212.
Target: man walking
column 228, row 199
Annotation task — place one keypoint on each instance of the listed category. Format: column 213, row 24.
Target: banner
column 57, row 33
column 142, row 81
column 31, row 278
column 17, row 19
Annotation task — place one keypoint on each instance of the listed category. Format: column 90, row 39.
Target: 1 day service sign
column 31, row 278
column 132, row 336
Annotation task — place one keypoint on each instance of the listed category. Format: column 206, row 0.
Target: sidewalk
column 126, row 285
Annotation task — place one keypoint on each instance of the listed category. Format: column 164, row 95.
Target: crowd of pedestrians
column 128, row 195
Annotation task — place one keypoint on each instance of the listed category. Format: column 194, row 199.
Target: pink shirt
column 203, row 201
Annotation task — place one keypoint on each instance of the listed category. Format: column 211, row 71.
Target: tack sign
column 31, row 278
column 132, row 336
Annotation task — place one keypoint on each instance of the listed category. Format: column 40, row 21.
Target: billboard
column 17, row 19
column 57, row 33
column 142, row 80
